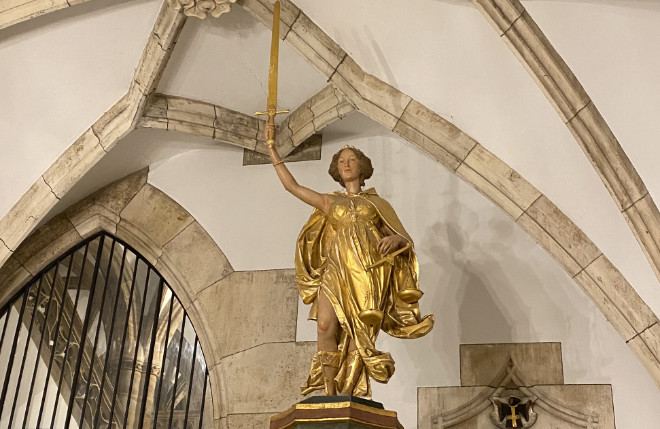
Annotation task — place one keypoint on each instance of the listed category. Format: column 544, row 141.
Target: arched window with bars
column 99, row 340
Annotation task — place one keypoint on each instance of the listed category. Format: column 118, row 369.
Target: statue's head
column 343, row 156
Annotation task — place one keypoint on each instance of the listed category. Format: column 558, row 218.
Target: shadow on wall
column 472, row 276
column 487, row 289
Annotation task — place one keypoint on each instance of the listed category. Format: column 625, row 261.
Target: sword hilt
column 271, row 113
column 271, row 120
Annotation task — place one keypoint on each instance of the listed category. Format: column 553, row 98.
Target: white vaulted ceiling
column 60, row 72
column 224, row 61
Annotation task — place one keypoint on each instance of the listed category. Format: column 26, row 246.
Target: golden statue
column 355, row 263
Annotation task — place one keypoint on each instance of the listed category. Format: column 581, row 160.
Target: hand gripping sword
column 271, row 105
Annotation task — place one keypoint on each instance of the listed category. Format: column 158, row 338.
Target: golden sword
column 271, row 104
column 389, row 258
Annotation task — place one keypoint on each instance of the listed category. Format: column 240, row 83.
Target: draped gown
column 335, row 255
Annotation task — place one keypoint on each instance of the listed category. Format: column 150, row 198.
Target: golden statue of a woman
column 356, row 265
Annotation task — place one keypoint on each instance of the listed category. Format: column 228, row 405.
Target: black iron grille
column 99, row 340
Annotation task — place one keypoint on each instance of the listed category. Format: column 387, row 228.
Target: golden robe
column 333, row 253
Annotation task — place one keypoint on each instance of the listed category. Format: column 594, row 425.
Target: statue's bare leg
column 327, row 325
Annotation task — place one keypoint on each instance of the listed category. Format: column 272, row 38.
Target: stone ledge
column 309, row 150
column 540, row 362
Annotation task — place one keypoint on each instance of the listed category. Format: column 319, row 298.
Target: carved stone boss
column 201, row 8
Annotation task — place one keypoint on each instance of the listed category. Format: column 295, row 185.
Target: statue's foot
column 330, row 387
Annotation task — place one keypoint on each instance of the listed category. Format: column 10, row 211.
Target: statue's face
column 348, row 165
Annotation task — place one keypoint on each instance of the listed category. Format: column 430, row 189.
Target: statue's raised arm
column 309, row 196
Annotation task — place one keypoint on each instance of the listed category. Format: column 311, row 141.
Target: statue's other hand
column 390, row 243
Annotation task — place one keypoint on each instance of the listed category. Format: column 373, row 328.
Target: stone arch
column 97, row 316
column 198, row 272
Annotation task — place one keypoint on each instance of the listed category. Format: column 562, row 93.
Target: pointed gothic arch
column 225, row 307
column 98, row 339
column 153, row 226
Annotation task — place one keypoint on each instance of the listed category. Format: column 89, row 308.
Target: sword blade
column 274, row 54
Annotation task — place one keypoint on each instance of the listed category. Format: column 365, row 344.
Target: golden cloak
column 334, row 255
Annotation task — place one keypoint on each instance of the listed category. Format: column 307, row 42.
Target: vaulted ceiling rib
column 519, row 31
column 172, row 113
column 89, row 148
column 13, row 12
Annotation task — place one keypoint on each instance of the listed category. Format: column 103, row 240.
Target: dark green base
column 342, row 398
column 329, row 426
column 336, row 412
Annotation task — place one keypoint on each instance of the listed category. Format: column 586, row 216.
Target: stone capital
column 201, row 8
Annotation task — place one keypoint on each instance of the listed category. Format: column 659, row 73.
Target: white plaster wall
column 484, row 278
column 58, row 75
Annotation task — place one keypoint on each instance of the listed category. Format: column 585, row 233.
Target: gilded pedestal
column 336, row 412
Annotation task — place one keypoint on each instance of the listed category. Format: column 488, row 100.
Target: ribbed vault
column 352, row 88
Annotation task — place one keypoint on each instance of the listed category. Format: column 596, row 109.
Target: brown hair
column 366, row 169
